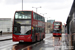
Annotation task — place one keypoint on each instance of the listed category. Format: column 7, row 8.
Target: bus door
column 40, row 32
column 33, row 34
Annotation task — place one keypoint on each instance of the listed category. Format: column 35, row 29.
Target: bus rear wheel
column 42, row 37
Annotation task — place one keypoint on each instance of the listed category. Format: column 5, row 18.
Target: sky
column 57, row 10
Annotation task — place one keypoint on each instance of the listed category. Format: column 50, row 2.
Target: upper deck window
column 23, row 15
column 38, row 17
column 57, row 23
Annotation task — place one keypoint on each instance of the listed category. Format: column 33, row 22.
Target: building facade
column 63, row 28
column 51, row 21
column 6, row 25
column 48, row 27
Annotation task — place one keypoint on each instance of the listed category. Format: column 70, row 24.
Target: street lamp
column 22, row 5
column 36, row 8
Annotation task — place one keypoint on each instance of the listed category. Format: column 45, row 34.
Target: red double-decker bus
column 28, row 26
column 57, row 28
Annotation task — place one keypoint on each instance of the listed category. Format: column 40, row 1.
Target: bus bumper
column 57, row 34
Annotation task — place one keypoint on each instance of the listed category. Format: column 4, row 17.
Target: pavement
column 4, row 37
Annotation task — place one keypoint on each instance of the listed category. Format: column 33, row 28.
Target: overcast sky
column 55, row 9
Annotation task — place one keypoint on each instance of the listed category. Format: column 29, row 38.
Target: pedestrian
column 1, row 32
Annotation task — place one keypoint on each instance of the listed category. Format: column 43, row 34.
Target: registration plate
column 21, row 40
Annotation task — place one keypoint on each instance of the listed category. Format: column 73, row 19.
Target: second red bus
column 57, row 28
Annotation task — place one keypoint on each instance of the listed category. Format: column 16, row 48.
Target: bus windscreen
column 22, row 23
column 57, row 23
column 57, row 31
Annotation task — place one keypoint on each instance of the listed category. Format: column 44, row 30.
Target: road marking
column 37, row 43
column 31, row 45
